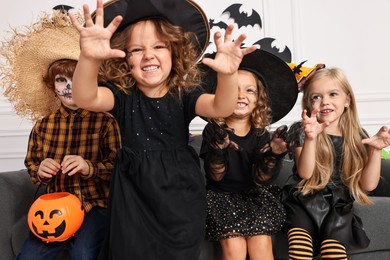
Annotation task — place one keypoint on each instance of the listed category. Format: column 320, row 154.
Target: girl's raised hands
column 94, row 37
column 229, row 52
column 311, row 125
column 380, row 140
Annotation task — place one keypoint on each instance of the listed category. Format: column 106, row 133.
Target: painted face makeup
column 63, row 86
column 63, row 89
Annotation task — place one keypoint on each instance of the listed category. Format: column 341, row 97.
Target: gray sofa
column 376, row 221
column 17, row 193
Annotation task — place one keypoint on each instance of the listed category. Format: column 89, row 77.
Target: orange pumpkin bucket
column 55, row 217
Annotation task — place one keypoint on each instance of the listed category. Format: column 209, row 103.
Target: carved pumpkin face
column 55, row 217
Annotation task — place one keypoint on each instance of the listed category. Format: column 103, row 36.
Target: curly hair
column 184, row 72
column 261, row 115
column 354, row 152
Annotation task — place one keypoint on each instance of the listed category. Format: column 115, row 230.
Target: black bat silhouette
column 266, row 45
column 297, row 69
column 242, row 19
column 220, row 24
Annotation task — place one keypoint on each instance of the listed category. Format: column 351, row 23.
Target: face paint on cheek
column 63, row 86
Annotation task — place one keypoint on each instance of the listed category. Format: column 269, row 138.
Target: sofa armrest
column 16, row 196
column 376, row 222
column 383, row 189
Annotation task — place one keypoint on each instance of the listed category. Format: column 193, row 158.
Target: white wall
column 351, row 34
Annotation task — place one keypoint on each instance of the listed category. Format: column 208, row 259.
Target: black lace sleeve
column 267, row 165
column 215, row 159
column 215, row 164
column 295, row 137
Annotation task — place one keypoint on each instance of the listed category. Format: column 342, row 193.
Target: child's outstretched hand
column 229, row 52
column 380, row 140
column 94, row 38
column 311, row 125
column 221, row 139
column 279, row 142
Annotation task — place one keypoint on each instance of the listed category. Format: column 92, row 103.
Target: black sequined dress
column 157, row 195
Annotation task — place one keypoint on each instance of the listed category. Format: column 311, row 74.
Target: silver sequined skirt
column 255, row 212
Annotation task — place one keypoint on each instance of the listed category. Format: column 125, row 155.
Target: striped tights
column 300, row 246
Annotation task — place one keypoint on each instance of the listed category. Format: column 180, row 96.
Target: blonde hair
column 354, row 156
column 184, row 72
column 261, row 115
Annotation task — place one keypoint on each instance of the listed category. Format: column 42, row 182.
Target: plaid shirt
column 93, row 136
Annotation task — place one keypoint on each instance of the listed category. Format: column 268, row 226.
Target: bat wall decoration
column 266, row 45
column 241, row 18
column 219, row 24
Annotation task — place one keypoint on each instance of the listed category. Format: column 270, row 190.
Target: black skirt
column 255, row 212
column 157, row 206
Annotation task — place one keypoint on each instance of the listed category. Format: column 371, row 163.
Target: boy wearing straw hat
column 70, row 149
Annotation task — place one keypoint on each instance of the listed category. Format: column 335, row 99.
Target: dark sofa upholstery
column 17, row 193
column 376, row 219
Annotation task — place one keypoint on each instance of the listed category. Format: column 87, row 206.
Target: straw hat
column 184, row 13
column 26, row 57
column 276, row 76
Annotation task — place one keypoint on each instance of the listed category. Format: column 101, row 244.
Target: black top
column 240, row 164
column 150, row 124
column 297, row 136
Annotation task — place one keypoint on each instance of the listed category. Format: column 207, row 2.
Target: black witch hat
column 184, row 13
column 275, row 74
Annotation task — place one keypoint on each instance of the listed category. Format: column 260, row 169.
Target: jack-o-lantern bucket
column 55, row 216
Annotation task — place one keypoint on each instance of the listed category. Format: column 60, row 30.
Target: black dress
column 325, row 214
column 236, row 205
column 157, row 196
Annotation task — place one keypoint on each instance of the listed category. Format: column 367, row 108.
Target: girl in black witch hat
column 241, row 158
column 149, row 55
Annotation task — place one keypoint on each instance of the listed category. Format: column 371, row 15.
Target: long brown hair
column 354, row 157
column 184, row 71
